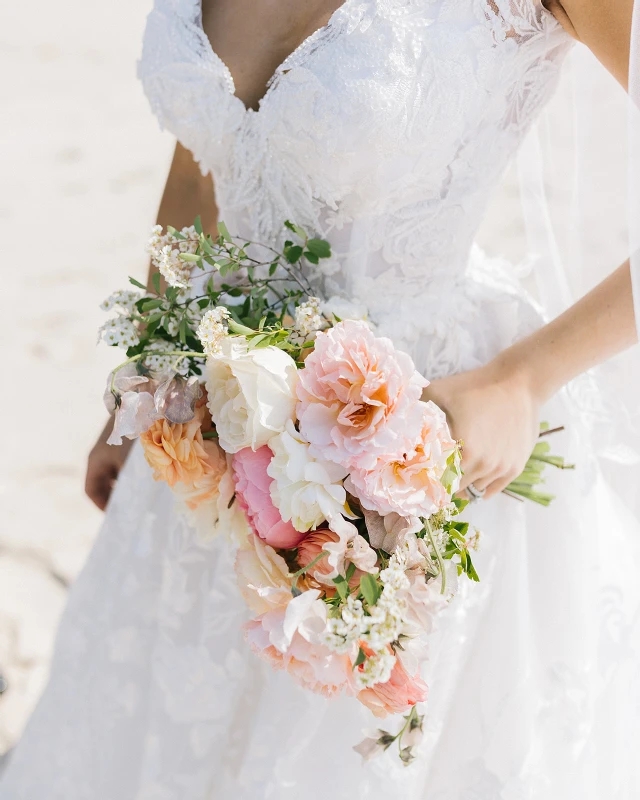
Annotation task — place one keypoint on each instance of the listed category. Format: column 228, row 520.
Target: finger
column 476, row 472
column 481, row 483
column 499, row 484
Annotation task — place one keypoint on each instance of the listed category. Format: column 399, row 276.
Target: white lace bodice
column 384, row 132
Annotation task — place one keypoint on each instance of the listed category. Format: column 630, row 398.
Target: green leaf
column 311, row 257
column 471, row 570
column 197, row 224
column 319, row 247
column 360, row 659
column 293, row 253
column 236, row 327
column 342, row 587
column 149, row 305
column 137, row 283
column 155, row 282
column 190, row 258
column 296, row 229
column 350, row 571
column 370, row 589
column 273, row 268
column 223, row 231
column 183, row 331
column 254, row 341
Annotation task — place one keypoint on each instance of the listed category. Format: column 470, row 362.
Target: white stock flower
column 251, row 393
column 212, row 329
column 305, row 490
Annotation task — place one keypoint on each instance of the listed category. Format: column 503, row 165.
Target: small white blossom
column 375, row 669
column 163, row 364
column 394, row 577
column 212, row 330
column 192, row 313
column 165, row 251
column 309, row 320
column 124, row 298
column 344, row 631
column 119, row 332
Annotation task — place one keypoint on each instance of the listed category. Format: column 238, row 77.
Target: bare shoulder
column 603, row 25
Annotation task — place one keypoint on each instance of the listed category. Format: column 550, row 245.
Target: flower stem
column 443, row 575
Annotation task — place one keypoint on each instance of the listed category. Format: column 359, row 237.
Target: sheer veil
column 582, row 220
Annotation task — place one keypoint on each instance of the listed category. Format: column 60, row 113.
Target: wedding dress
column 384, row 132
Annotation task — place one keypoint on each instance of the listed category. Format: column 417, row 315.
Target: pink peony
column 357, row 397
column 254, row 497
column 395, row 696
column 312, row 666
column 411, row 485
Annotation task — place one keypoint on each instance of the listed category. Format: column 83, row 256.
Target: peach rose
column 178, row 455
column 357, row 396
column 395, row 696
column 411, row 485
column 254, row 496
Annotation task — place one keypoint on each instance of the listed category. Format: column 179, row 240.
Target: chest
column 254, row 37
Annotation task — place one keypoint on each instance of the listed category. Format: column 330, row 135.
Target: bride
column 382, row 125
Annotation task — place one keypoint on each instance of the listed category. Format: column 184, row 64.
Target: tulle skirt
column 533, row 673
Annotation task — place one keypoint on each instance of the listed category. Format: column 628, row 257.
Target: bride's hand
column 496, row 415
column 103, row 466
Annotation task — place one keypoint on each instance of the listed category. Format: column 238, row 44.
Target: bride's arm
column 495, row 409
column 603, row 25
column 186, row 195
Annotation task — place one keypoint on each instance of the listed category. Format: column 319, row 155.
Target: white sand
column 83, row 164
column 82, row 169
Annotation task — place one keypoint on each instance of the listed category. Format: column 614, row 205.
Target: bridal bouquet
column 305, row 435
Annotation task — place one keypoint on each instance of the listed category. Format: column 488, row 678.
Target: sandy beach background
column 82, row 168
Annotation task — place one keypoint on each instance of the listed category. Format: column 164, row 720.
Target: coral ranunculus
column 311, row 547
column 179, row 455
column 254, row 496
column 395, row 696
column 357, row 397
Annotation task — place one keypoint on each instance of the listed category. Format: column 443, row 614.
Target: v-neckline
column 294, row 57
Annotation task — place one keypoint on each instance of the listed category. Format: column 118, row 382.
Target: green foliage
column 525, row 485
column 370, row 588
column 260, row 292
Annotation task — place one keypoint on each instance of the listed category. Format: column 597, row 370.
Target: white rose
column 251, row 393
column 305, row 490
